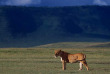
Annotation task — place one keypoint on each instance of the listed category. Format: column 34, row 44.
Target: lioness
column 71, row 58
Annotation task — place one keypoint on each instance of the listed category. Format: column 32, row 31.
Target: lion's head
column 58, row 53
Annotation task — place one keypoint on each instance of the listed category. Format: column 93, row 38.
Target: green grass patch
column 42, row 61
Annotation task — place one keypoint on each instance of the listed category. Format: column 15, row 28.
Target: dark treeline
column 27, row 23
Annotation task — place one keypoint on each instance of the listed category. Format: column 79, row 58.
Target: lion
column 72, row 58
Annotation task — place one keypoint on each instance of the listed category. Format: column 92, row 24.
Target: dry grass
column 41, row 60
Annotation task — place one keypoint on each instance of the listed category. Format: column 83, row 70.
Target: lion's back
column 78, row 56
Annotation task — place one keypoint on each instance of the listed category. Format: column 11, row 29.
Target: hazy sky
column 100, row 2
column 54, row 2
column 20, row 2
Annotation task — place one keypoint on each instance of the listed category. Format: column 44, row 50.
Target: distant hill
column 34, row 26
column 63, row 45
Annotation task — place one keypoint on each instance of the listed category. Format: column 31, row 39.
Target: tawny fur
column 71, row 58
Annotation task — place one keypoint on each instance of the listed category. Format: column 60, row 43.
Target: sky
column 100, row 2
column 54, row 2
column 20, row 2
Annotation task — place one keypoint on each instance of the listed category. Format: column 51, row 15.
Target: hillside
column 34, row 26
column 63, row 45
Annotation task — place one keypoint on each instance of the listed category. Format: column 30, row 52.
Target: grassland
column 42, row 61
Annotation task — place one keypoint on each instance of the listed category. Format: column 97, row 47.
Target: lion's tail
column 84, row 56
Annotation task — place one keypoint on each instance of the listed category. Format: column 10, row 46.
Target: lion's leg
column 63, row 65
column 81, row 66
column 85, row 64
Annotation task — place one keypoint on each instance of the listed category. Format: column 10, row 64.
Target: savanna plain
column 40, row 60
